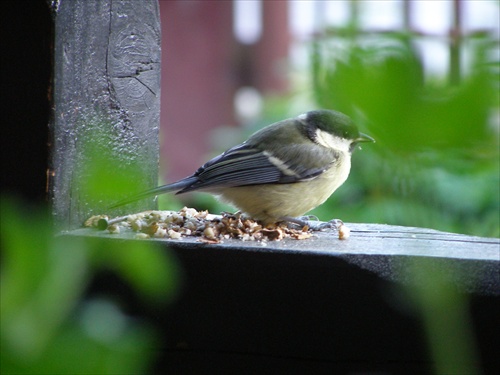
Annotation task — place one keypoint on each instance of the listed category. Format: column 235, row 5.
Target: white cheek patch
column 331, row 141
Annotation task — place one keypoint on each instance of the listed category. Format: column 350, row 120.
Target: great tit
column 282, row 171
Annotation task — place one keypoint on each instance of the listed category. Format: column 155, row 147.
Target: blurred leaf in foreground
column 46, row 326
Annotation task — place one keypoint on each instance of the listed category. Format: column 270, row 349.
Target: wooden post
column 106, row 104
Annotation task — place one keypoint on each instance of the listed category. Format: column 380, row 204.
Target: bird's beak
column 364, row 138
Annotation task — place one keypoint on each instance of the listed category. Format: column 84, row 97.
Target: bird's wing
column 247, row 165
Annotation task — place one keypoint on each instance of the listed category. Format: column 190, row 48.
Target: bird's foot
column 314, row 224
column 334, row 224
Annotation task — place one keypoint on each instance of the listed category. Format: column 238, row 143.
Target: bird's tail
column 173, row 187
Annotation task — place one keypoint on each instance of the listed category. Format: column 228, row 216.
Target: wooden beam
column 106, row 102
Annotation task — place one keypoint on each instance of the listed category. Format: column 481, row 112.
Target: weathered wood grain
column 106, row 93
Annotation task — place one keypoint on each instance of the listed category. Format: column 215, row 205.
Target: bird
column 280, row 172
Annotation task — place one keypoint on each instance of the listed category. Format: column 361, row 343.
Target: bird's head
column 332, row 129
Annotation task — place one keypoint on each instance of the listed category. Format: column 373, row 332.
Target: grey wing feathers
column 246, row 165
column 238, row 166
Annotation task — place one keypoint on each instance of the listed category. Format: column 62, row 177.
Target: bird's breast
column 271, row 202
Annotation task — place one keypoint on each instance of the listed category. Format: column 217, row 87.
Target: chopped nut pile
column 190, row 222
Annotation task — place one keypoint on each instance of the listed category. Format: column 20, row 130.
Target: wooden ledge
column 376, row 239
column 321, row 305
column 382, row 249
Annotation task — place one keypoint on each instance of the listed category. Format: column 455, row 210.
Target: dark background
column 25, row 76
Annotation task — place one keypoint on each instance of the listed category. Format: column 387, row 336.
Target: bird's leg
column 313, row 223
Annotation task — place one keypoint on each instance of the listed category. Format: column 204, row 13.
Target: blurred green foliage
column 445, row 316
column 48, row 324
column 436, row 160
column 109, row 169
